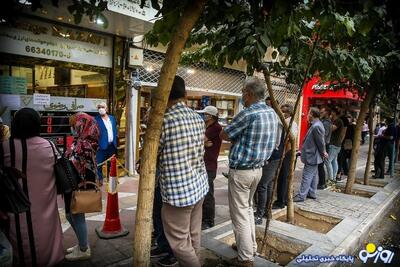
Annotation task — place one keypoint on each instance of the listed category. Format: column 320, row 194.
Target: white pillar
column 132, row 121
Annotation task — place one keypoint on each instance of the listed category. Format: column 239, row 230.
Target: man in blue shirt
column 253, row 134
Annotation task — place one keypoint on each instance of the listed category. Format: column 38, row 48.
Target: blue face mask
column 241, row 101
column 73, row 132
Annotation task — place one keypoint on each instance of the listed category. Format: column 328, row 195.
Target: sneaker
column 157, row 253
column 78, row 255
column 205, row 226
column 71, row 249
column 311, row 197
column 321, row 187
column 257, row 220
column 168, row 260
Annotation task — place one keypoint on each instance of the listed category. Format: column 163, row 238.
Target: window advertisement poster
column 42, row 40
column 13, row 85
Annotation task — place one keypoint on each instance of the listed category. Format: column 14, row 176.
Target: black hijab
column 25, row 124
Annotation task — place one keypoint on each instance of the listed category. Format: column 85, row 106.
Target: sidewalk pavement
column 118, row 252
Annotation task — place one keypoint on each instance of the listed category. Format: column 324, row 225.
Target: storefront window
column 54, row 78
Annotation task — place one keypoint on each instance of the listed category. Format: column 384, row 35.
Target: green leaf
column 265, row 40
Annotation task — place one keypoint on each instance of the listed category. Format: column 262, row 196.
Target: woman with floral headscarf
column 82, row 153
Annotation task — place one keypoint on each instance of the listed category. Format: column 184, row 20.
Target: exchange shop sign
column 43, row 40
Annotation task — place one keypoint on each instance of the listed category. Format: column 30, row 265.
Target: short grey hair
column 289, row 108
column 103, row 104
column 255, row 85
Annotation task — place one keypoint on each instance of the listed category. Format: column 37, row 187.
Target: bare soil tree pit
column 313, row 221
column 279, row 249
column 355, row 192
column 372, row 182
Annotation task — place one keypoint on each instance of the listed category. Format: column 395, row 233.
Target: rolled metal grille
column 198, row 76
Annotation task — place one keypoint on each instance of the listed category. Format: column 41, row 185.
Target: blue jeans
column 78, row 223
column 332, row 165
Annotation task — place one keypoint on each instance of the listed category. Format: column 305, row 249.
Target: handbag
column 66, row 176
column 348, row 144
column 86, row 200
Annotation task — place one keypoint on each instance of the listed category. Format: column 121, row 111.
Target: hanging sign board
column 135, row 57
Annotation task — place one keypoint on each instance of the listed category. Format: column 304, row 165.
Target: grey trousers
column 241, row 188
column 309, row 182
column 182, row 227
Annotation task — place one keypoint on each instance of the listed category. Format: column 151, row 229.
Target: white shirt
column 380, row 132
column 294, row 129
column 107, row 123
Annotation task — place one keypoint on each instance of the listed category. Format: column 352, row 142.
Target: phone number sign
column 45, row 44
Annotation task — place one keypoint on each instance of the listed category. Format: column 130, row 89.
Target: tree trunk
column 292, row 140
column 371, row 143
column 143, row 222
column 357, row 139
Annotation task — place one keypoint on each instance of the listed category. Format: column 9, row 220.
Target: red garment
column 211, row 153
column 82, row 153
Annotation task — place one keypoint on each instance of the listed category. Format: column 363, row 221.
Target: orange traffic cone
column 112, row 227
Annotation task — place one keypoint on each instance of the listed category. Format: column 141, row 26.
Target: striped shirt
column 253, row 133
column 183, row 176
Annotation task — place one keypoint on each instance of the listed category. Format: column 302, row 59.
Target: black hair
column 178, row 89
column 25, row 124
column 315, row 112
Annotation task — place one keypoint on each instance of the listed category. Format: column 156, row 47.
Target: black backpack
column 12, row 197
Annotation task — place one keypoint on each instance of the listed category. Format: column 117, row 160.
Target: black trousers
column 264, row 187
column 321, row 172
column 161, row 239
column 282, row 180
column 379, row 161
column 209, row 201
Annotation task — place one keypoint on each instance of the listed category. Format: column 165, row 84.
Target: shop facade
column 318, row 94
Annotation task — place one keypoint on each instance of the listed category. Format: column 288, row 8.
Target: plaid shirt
column 253, row 133
column 183, row 176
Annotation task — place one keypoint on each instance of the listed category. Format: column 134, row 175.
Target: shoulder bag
column 86, row 200
column 66, row 177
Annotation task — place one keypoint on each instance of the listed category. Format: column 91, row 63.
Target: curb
column 353, row 241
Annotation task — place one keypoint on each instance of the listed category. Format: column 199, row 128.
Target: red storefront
column 317, row 94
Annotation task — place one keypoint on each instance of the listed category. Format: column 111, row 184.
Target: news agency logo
column 379, row 253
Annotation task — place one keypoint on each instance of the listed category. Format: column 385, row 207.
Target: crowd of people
column 36, row 236
column 187, row 163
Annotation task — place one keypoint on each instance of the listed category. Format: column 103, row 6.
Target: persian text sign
column 132, row 8
column 57, row 103
column 42, row 40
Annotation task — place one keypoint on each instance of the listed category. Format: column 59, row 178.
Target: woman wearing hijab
column 82, row 153
column 36, row 235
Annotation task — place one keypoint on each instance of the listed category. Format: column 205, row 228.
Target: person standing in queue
column 108, row 138
column 212, row 144
column 253, row 136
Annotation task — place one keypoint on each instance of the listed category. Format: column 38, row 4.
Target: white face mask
column 102, row 111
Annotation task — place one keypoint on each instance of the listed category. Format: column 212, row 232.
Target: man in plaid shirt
column 183, row 176
column 253, row 133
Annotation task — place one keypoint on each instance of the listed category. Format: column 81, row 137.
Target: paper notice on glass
column 41, row 99
column 11, row 101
